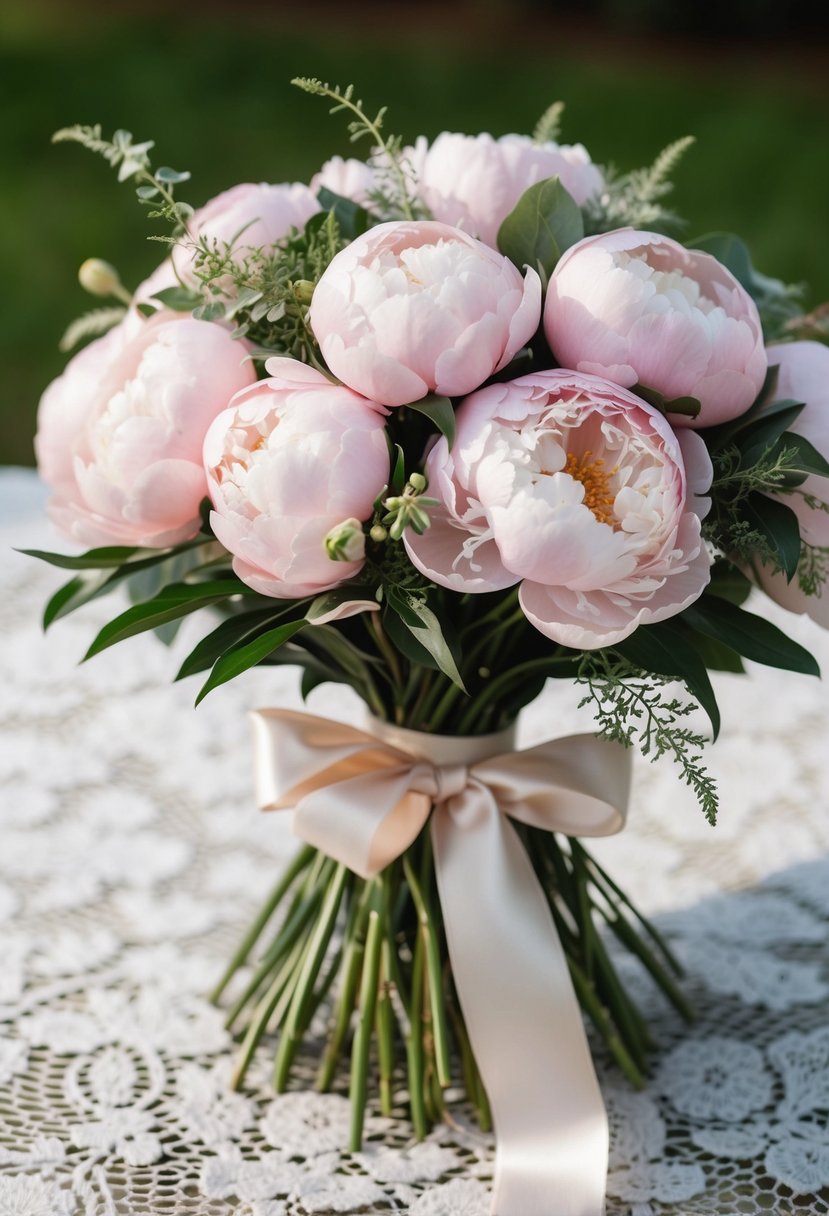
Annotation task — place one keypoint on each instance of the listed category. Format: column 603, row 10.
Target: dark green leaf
column 545, row 221
column 756, row 439
column 78, row 591
column 689, row 407
column 425, row 628
column 666, row 650
column 398, row 472
column 179, row 299
column 729, row 583
column 95, row 559
column 716, row 655
column 352, row 219
column 240, row 627
column 245, row 656
column 779, row 525
column 170, row 604
column 438, row 410
column 808, row 459
column 310, row 680
column 750, row 635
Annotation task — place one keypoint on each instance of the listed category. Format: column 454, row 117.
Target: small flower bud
column 378, row 534
column 304, row 290
column 346, row 542
column 99, row 278
column 418, row 482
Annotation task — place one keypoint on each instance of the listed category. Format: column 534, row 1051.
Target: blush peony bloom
column 289, row 460
column 246, row 216
column 804, row 376
column 416, row 307
column 120, row 433
column 475, row 181
column 636, row 307
column 350, row 178
column 578, row 490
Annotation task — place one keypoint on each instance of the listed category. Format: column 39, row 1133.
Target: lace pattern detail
column 131, row 854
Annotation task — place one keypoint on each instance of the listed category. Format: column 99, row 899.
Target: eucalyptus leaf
column 545, row 221
column 179, row 299
column 749, row 635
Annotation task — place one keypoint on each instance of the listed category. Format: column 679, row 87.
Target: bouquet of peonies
column 442, row 426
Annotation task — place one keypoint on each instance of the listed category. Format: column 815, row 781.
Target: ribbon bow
column 364, row 797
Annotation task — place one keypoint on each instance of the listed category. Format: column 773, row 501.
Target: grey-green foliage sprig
column 156, row 187
column 392, row 196
column 267, row 291
column 630, row 707
column 635, row 199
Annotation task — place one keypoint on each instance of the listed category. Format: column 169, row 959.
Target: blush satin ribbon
column 363, row 797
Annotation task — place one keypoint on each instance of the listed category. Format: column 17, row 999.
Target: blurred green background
column 211, row 86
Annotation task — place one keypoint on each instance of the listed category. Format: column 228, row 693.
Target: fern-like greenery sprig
column 630, row 708
column 547, row 128
column 635, row 199
column 394, row 200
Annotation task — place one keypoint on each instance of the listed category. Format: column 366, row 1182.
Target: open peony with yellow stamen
column 578, row 490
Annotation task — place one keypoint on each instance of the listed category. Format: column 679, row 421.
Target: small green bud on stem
column 346, row 542
column 100, row 278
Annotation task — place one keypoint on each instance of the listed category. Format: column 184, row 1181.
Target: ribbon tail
column 524, row 1021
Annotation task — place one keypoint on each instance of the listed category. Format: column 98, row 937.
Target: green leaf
column 545, row 221
column 241, row 626
column 398, row 471
column 438, row 410
column 78, row 591
column 352, row 219
column 95, row 559
column 756, row 439
column 808, row 461
column 243, row 657
column 779, row 525
column 172, row 602
column 751, row 636
column 729, row 583
column 688, row 407
column 425, row 628
column 179, row 299
column 665, row 649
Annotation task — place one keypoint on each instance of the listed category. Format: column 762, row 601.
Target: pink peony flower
column 412, row 308
column 636, row 307
column 804, row 376
column 475, row 180
column 350, row 178
column 246, row 216
column 578, row 490
column 120, row 433
column 292, row 458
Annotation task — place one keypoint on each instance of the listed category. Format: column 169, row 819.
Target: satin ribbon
column 364, row 797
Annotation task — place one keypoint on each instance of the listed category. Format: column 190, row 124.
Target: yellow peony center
column 592, row 474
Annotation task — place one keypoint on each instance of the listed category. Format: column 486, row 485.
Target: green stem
column 362, row 1034
column 351, row 970
column 295, row 868
column 433, row 972
column 301, row 1000
column 385, row 1030
column 592, row 1007
column 414, row 1043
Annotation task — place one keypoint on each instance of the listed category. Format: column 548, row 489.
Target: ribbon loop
column 364, row 798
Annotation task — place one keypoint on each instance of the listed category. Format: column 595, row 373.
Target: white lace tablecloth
column 131, row 854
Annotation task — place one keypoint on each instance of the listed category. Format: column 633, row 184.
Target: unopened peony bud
column 99, row 278
column 346, row 542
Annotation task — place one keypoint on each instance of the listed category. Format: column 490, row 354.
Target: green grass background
column 214, row 93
